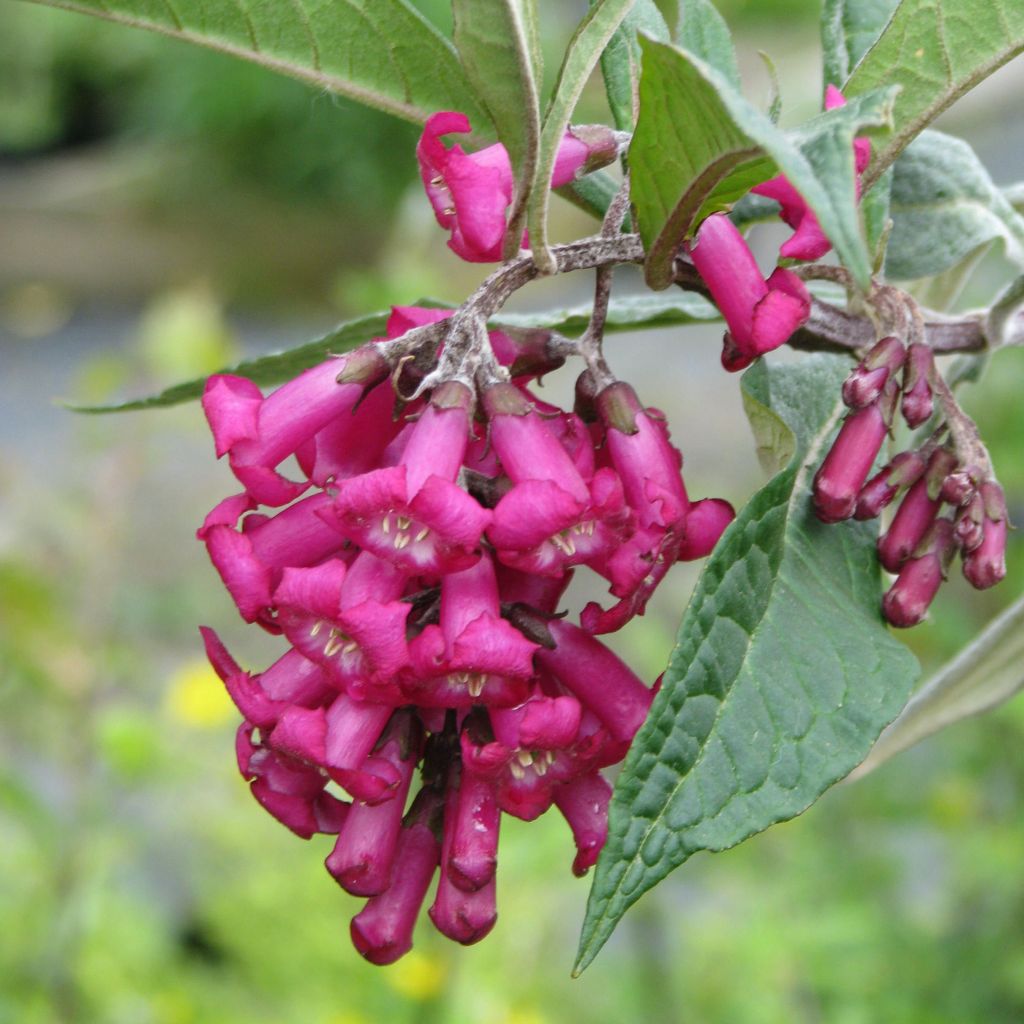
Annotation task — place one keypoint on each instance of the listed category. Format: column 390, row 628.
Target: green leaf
column 782, row 677
column 592, row 193
column 620, row 62
column 264, row 370
column 986, row 673
column 625, row 313
column 875, row 208
column 944, row 206
column 704, row 33
column 936, row 50
column 585, row 48
column 699, row 146
column 848, row 28
column 493, row 44
column 382, row 53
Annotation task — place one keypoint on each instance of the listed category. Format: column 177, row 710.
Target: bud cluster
column 920, row 541
column 415, row 567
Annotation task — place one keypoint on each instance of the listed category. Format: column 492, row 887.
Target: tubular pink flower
column 471, row 192
column 648, row 465
column 808, row 241
column 761, row 315
column 414, row 514
column 289, row 790
column 597, row 678
column 258, row 433
column 551, row 518
column 382, row 930
column 351, row 623
column 251, row 562
column 363, row 855
column 706, row 521
column 464, row 915
column 474, row 656
column 846, row 466
column 584, row 804
column 472, row 856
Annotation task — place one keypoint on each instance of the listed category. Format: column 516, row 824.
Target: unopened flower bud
column 959, row 487
column 904, row 471
column 970, row 524
column 915, row 515
column 846, row 467
column 917, row 391
column 986, row 564
column 907, row 600
column 869, row 377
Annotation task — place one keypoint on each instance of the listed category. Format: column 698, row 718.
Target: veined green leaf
column 704, row 33
column 782, row 677
column 935, row 50
column 264, row 370
column 848, row 28
column 383, row 53
column 620, row 62
column 584, row 51
column 699, row 146
column 944, row 206
column 625, row 313
column 986, row 673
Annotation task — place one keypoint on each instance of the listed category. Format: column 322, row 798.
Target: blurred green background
column 165, row 209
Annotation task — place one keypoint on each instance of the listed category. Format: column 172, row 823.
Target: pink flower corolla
column 471, row 192
column 258, row 433
column 465, row 914
column 364, row 853
column 761, row 314
column 474, row 656
column 584, row 805
column 808, row 241
column 382, row 930
column 350, row 621
column 414, row 514
column 251, row 561
column 293, row 792
column 638, row 446
column 552, row 518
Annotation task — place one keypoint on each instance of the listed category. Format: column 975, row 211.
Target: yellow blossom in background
column 197, row 698
column 418, row 976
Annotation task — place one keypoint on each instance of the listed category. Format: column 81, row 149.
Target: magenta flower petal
column 584, row 804
column 599, row 679
column 232, row 407
column 382, row 930
column 705, row 523
column 248, row 580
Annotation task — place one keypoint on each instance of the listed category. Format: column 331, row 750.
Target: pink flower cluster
column 919, row 542
column 415, row 564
